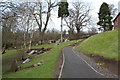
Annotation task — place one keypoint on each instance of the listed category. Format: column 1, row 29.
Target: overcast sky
column 95, row 5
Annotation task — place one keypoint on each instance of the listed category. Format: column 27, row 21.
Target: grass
column 103, row 44
column 8, row 54
column 7, row 59
column 45, row 71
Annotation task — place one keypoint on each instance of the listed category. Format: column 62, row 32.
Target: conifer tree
column 63, row 12
column 105, row 17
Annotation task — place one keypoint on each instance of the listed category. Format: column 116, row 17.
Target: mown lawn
column 103, row 44
column 45, row 71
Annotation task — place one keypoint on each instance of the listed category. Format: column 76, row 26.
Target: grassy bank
column 44, row 71
column 103, row 44
column 7, row 59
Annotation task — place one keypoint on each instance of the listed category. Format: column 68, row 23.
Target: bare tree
column 25, row 26
column 8, row 23
column 43, row 11
column 16, row 17
column 92, row 31
column 20, row 19
column 32, row 33
column 113, row 10
column 81, row 15
column 70, row 21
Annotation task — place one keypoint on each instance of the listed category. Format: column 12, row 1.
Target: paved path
column 75, row 67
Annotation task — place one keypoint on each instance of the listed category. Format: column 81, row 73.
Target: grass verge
column 103, row 44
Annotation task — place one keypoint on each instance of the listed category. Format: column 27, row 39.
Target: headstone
column 37, row 44
column 40, row 42
column 40, row 63
column 58, row 42
column 27, row 60
column 31, row 52
column 51, row 41
column 35, row 65
column 66, row 40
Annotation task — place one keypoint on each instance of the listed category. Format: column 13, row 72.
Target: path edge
column 62, row 66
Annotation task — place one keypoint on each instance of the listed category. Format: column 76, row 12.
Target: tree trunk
column 24, row 40
column 15, row 42
column 71, row 31
column 47, row 19
column 78, row 30
column 41, row 35
column 61, row 29
column 31, row 40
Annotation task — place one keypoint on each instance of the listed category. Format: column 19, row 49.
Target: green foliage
column 105, row 17
column 103, row 44
column 63, row 9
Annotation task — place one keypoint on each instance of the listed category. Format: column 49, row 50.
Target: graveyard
column 34, row 68
column 59, row 39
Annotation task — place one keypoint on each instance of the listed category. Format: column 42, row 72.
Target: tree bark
column 31, row 40
column 61, row 29
column 25, row 40
column 78, row 30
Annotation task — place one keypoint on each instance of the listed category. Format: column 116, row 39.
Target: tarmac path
column 76, row 67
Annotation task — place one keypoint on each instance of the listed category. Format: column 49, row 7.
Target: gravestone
column 27, row 60
column 66, row 40
column 31, row 52
column 58, row 42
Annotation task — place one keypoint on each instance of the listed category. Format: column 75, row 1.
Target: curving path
column 76, row 67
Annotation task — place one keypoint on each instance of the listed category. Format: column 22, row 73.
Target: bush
column 78, row 36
